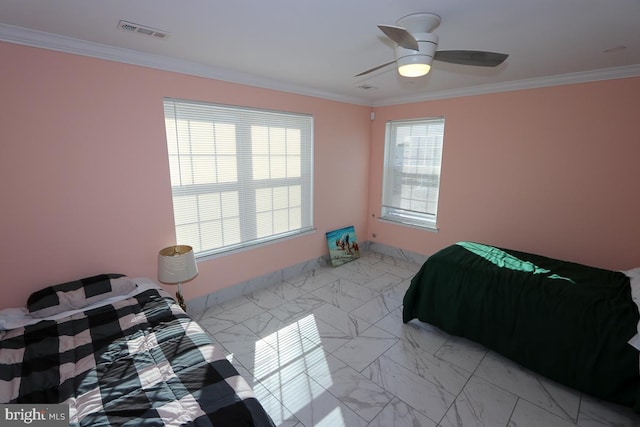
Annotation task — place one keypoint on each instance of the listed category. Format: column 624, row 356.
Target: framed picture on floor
column 343, row 245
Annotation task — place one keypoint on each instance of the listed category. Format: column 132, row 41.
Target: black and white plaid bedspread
column 140, row 361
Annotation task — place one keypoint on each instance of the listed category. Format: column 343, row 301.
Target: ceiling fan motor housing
column 427, row 43
column 420, row 26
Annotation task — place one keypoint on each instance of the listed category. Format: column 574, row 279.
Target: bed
column 572, row 323
column 120, row 351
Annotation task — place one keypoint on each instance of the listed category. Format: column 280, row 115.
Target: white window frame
column 219, row 204
column 412, row 169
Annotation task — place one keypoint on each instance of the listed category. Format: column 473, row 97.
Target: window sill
column 420, row 226
column 209, row 255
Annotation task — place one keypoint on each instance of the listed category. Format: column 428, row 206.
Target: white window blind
column 411, row 177
column 239, row 176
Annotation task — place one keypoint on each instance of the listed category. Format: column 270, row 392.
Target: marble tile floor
column 329, row 349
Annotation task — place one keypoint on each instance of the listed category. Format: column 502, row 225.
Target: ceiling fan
column 416, row 47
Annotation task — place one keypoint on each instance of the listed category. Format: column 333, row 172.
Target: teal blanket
column 566, row 321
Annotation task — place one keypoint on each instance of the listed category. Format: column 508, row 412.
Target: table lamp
column 177, row 264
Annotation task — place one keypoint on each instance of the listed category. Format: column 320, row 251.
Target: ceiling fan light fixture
column 414, row 70
column 414, row 65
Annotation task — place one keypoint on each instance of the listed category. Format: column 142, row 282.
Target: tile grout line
column 465, row 384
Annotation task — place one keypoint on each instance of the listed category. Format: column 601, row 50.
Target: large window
column 411, row 178
column 238, row 176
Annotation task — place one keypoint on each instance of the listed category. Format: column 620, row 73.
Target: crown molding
column 34, row 38
column 533, row 83
column 40, row 39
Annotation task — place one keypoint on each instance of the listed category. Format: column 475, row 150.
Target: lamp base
column 180, row 299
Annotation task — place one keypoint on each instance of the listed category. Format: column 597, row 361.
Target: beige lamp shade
column 176, row 264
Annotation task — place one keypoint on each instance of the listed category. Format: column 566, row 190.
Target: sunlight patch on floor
column 283, row 373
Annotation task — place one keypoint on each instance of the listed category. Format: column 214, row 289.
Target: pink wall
column 86, row 190
column 551, row 171
column 86, row 183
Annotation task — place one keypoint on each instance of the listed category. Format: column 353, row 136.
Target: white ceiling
column 316, row 47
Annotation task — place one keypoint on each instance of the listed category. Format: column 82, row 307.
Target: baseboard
column 202, row 303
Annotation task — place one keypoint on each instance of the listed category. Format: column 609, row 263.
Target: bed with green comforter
column 566, row 321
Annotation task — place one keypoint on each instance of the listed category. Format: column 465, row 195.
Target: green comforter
column 566, row 321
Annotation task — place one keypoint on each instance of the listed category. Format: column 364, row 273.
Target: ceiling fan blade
column 374, row 68
column 471, row 57
column 401, row 36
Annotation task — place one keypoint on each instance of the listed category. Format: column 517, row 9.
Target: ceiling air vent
column 130, row 27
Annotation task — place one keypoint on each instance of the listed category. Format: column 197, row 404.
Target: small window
column 239, row 176
column 411, row 177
